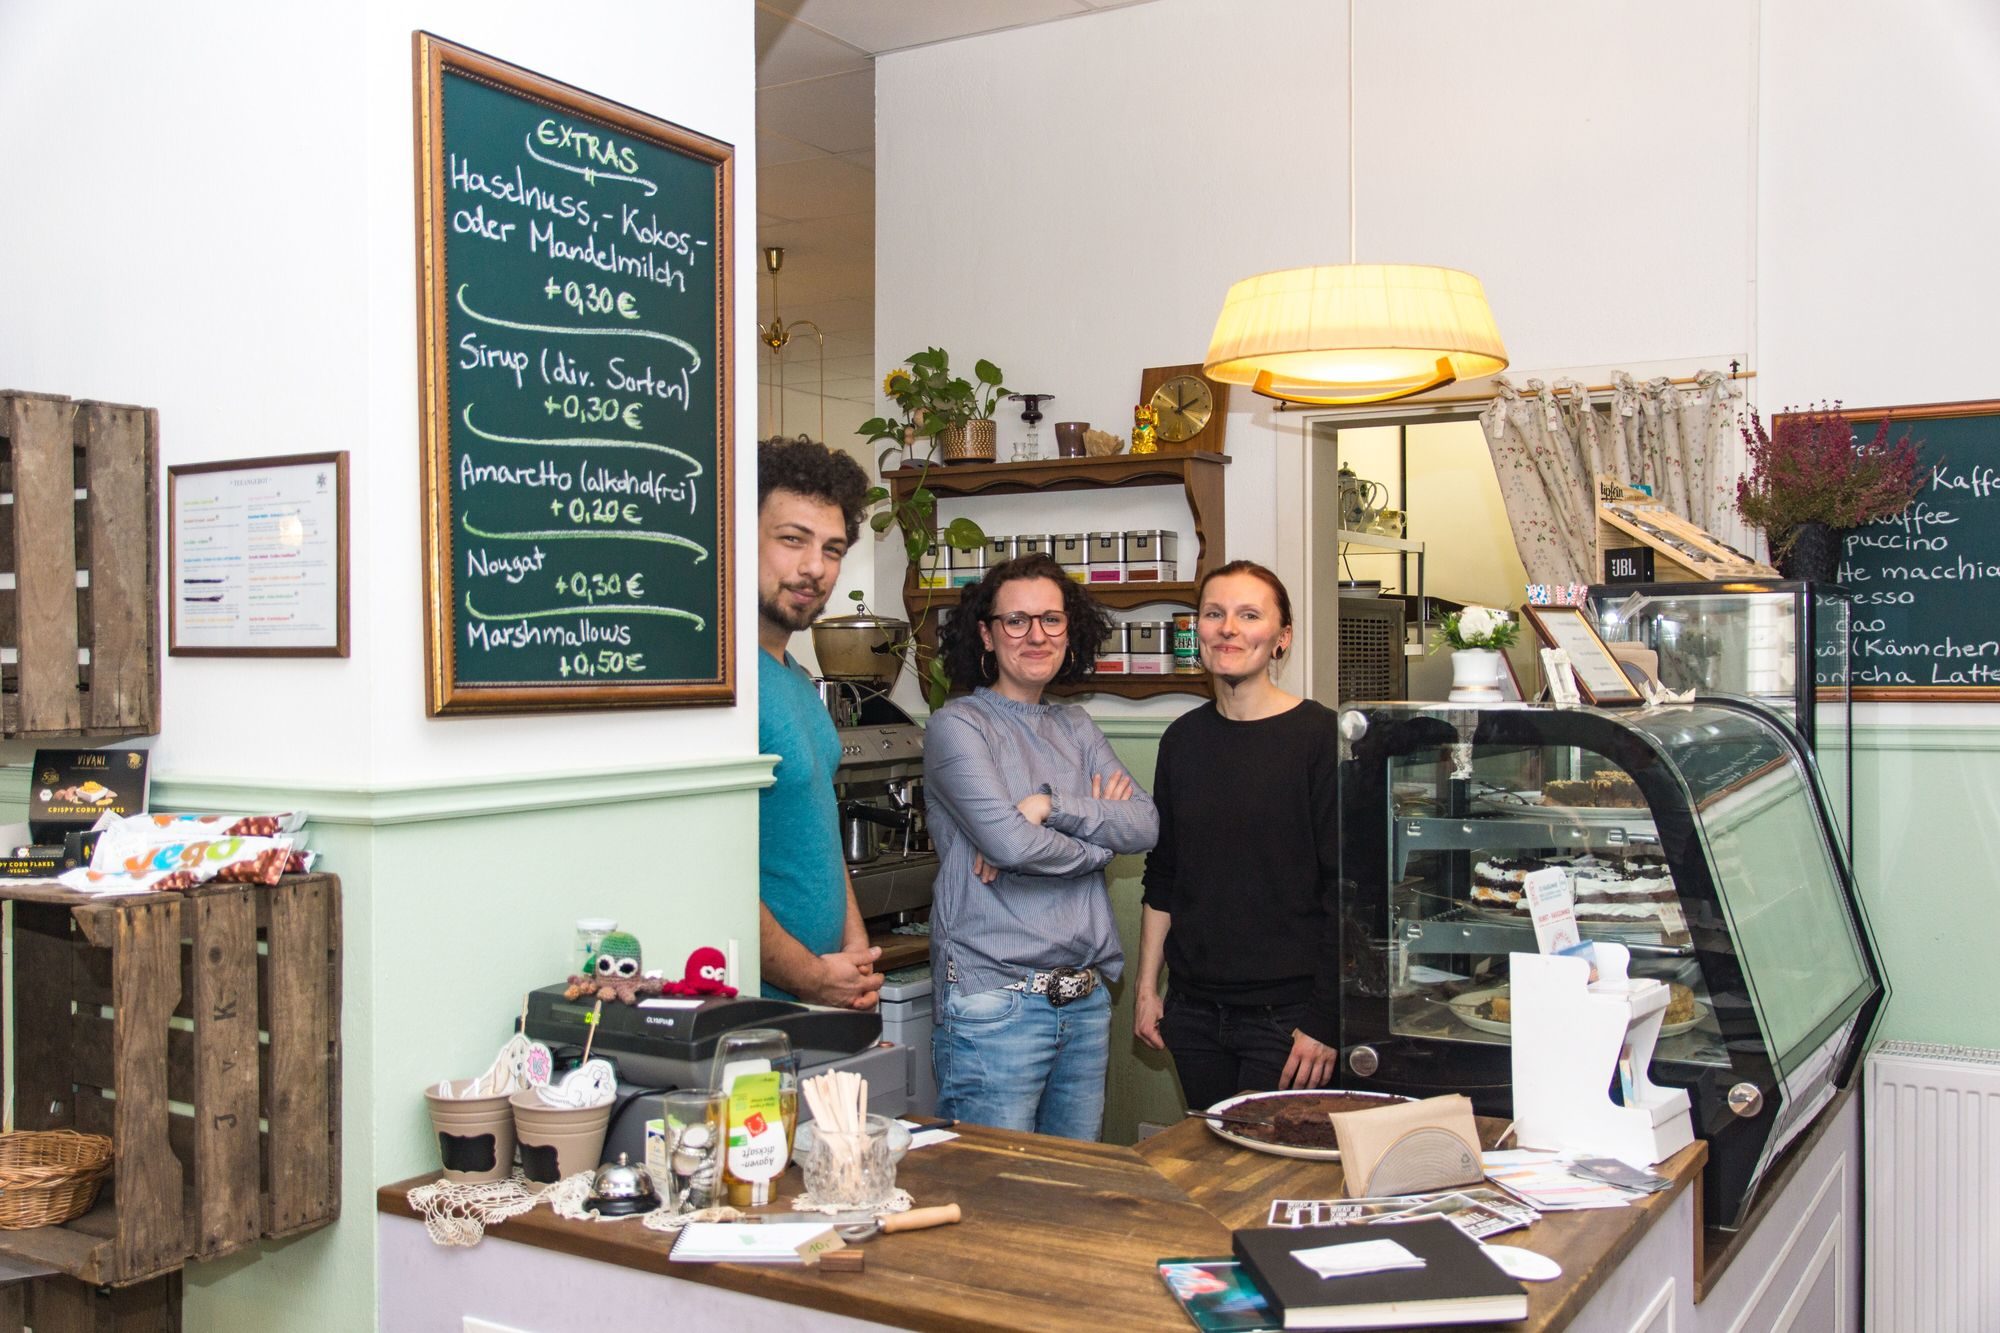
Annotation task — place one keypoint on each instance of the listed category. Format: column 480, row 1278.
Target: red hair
column 1261, row 574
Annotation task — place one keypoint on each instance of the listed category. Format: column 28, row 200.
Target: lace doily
column 457, row 1213
column 899, row 1202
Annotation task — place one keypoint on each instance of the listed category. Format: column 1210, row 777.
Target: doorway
column 1427, row 496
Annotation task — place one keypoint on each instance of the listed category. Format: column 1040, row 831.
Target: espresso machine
column 879, row 785
column 889, row 858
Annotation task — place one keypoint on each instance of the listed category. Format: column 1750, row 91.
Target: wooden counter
column 1060, row 1235
column 1237, row 1185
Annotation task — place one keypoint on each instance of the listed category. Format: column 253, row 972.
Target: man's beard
column 778, row 613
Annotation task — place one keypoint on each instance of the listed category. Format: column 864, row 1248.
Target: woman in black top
column 1240, row 897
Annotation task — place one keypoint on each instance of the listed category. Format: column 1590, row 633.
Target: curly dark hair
column 965, row 658
column 804, row 466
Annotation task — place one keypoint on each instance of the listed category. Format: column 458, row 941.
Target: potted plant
column 1476, row 635
column 935, row 405
column 1809, row 481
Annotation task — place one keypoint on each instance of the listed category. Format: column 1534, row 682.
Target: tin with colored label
column 1187, row 645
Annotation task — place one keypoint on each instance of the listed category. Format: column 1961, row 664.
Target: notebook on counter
column 1457, row 1284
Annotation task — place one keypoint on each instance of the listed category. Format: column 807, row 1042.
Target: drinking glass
column 693, row 1122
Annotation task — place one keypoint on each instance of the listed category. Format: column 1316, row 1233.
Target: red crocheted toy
column 706, row 968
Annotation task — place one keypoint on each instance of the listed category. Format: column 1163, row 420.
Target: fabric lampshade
column 1354, row 333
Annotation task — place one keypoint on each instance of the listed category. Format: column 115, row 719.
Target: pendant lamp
column 777, row 335
column 1341, row 334
column 1335, row 335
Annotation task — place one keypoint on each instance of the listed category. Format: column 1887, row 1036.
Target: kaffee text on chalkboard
column 1926, row 583
column 576, row 318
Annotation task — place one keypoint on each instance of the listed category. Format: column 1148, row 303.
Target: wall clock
column 1193, row 409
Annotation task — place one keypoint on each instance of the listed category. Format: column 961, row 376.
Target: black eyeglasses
column 1016, row 623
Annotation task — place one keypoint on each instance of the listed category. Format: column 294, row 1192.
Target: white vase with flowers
column 1476, row 636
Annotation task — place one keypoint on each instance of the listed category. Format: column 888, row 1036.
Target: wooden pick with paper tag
column 1408, row 1148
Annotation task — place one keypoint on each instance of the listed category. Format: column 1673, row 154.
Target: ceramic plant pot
column 475, row 1134
column 974, row 442
column 1475, row 674
column 558, row 1141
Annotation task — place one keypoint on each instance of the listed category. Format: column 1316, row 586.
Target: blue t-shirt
column 802, row 875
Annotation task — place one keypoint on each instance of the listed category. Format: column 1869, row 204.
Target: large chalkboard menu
column 575, row 335
column 1927, row 584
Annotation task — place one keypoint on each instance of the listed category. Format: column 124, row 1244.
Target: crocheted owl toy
column 614, row 972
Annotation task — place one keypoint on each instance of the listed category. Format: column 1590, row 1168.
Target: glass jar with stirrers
column 848, row 1157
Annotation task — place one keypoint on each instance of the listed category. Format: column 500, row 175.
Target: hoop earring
column 1277, row 654
column 989, row 666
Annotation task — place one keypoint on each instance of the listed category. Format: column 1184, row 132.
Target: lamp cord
column 1353, row 172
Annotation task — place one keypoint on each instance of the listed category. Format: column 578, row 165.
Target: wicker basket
column 49, row 1176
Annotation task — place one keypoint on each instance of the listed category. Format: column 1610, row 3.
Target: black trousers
column 1220, row 1050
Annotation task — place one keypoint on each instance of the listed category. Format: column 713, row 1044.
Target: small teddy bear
column 614, row 972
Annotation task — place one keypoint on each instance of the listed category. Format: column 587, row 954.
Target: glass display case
column 1697, row 836
column 1785, row 644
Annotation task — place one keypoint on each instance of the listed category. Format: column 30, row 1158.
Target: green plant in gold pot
column 948, row 412
column 1810, row 481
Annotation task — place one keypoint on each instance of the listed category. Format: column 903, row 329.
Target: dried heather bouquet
column 1808, row 468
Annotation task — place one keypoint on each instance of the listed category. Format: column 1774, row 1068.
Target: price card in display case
column 575, row 330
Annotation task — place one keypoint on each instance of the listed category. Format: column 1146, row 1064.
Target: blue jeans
column 1013, row 1060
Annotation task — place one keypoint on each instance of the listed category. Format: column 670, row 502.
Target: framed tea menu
column 1598, row 674
column 257, row 550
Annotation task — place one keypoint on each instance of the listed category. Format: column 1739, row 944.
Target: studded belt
column 1062, row 985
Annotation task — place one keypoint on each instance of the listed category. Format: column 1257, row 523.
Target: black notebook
column 1458, row 1284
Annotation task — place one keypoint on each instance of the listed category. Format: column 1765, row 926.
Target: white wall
column 224, row 229
column 1880, row 186
column 1593, row 164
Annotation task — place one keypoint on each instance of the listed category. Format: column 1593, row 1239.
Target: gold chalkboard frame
column 444, row 695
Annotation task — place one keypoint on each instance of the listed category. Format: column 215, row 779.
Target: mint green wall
column 1141, row 1087
column 455, row 903
column 1927, row 856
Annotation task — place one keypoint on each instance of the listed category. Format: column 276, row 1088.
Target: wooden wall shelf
column 1198, row 474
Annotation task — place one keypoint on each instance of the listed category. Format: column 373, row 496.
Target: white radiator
column 1933, row 1189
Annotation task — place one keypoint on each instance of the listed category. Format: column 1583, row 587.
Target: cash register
column 665, row 1043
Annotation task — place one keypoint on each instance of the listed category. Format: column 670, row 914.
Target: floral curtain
column 1550, row 441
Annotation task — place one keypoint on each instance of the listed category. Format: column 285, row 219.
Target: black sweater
column 1248, row 860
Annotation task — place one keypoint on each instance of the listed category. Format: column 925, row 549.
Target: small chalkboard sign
column 575, row 336
column 1926, row 584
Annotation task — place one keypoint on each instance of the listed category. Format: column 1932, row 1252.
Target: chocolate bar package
column 72, row 788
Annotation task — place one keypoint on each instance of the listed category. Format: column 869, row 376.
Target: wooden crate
column 80, row 541
column 226, row 1123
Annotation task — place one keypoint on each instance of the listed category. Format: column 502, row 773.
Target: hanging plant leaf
column 938, row 686
column 962, row 534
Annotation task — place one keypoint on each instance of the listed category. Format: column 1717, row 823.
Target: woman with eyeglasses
column 1027, row 804
column 1241, row 898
